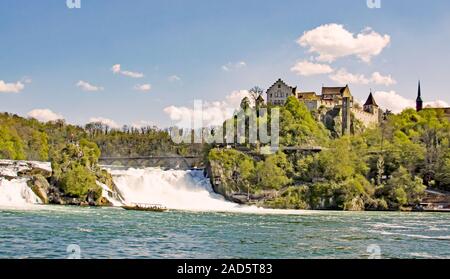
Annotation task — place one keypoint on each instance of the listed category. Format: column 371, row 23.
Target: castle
column 419, row 105
column 335, row 103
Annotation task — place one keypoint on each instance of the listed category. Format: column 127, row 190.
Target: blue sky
column 202, row 49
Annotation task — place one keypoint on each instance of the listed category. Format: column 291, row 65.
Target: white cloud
column 437, row 104
column 143, row 87
column 378, row 78
column 332, row 41
column 11, row 87
column 132, row 74
column 44, row 115
column 212, row 113
column 86, row 86
column 174, row 78
column 105, row 121
column 233, row 66
column 393, row 101
column 306, row 68
column 344, row 77
column 397, row 103
column 26, row 80
column 117, row 69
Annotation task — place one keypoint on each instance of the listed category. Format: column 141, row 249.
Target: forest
column 385, row 167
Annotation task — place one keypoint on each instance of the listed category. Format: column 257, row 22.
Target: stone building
column 419, row 105
column 278, row 93
column 332, row 103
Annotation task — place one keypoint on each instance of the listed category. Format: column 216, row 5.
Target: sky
column 144, row 62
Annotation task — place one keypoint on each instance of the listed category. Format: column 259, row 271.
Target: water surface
column 47, row 231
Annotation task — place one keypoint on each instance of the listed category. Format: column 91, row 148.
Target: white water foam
column 179, row 190
column 16, row 193
column 109, row 195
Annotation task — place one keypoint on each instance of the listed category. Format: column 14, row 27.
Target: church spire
column 419, row 102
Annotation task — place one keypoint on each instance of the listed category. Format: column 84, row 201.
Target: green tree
column 271, row 173
column 298, row 127
column 11, row 145
column 75, row 169
column 403, row 189
column 78, row 181
column 245, row 104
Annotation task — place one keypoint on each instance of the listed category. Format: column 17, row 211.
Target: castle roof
column 333, row 90
column 294, row 89
column 260, row 99
column 308, row 96
column 371, row 101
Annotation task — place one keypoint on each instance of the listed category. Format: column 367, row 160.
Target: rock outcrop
column 223, row 183
column 40, row 186
column 38, row 176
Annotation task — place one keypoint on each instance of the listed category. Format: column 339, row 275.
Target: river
column 43, row 231
column 201, row 224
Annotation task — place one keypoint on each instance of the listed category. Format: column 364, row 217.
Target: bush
column 291, row 198
column 78, row 182
column 75, row 169
column 402, row 189
column 272, row 173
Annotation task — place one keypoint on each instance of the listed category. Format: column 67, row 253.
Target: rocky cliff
column 38, row 178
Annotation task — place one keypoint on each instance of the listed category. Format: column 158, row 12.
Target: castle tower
column 419, row 101
column 371, row 106
column 346, row 109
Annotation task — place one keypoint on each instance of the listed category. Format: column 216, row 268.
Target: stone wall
column 366, row 118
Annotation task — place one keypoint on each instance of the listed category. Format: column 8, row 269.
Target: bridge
column 189, row 161
column 170, row 161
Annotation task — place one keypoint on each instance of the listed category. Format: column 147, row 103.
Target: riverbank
column 23, row 183
column 272, row 181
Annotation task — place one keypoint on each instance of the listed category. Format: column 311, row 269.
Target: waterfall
column 16, row 193
column 178, row 189
column 174, row 189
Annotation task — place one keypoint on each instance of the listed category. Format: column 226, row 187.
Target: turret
column 371, row 106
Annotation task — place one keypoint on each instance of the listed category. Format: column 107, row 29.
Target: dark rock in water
column 102, row 201
column 8, row 177
column 55, row 196
column 239, row 198
column 34, row 172
column 40, row 187
column 91, row 198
